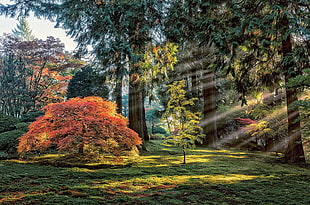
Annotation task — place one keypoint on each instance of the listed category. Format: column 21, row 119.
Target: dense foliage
column 260, row 44
column 87, row 82
column 10, row 130
column 80, row 124
column 33, row 73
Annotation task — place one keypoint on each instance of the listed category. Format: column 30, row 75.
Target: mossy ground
column 159, row 177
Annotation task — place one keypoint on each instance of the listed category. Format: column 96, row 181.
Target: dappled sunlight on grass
column 158, row 177
column 197, row 158
column 84, row 170
column 236, row 156
column 48, row 156
column 225, row 153
column 230, row 178
column 230, row 151
column 164, row 156
column 158, row 161
column 148, row 183
column 20, row 161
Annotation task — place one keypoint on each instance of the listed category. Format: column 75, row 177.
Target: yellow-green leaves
column 183, row 124
column 158, row 61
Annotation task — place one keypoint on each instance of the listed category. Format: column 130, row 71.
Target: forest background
column 228, row 53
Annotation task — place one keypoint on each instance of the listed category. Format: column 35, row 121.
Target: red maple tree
column 80, row 124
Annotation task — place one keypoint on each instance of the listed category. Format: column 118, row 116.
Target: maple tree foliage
column 245, row 121
column 80, row 124
column 47, row 69
column 253, row 127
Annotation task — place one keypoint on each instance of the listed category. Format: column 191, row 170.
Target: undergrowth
column 159, row 177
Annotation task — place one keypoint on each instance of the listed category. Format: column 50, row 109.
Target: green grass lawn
column 159, row 177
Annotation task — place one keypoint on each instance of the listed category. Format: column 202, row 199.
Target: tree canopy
column 80, row 124
column 259, row 43
column 88, row 82
column 33, row 73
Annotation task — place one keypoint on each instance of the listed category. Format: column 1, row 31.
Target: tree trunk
column 184, row 156
column 295, row 151
column 118, row 95
column 195, row 83
column 209, row 109
column 81, row 148
column 136, row 114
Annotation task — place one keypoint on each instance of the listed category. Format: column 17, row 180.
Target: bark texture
column 137, row 120
column 209, row 109
column 295, row 151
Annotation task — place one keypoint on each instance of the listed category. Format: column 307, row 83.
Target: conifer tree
column 23, row 31
column 87, row 82
column 13, row 86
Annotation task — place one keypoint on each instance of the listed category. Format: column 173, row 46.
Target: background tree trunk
column 136, row 114
column 119, row 94
column 209, row 109
column 295, row 151
column 195, row 83
column 184, row 156
column 81, row 148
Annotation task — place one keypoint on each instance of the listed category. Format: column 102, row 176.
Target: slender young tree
column 195, row 57
column 184, row 124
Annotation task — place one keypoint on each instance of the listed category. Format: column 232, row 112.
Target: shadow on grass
column 158, row 177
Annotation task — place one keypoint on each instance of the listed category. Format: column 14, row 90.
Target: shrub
column 260, row 111
column 4, row 155
column 268, row 134
column 159, row 130
column 7, row 123
column 227, row 124
column 31, row 116
column 9, row 142
column 22, row 126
